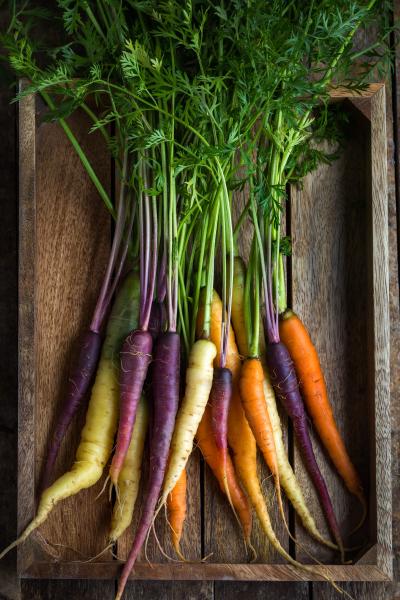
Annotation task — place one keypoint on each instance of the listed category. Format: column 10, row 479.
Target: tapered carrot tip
column 114, row 472
column 177, row 549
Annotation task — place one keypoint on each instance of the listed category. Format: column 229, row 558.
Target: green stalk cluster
column 205, row 97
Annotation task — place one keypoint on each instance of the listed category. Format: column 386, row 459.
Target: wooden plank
column 26, row 345
column 63, row 252
column 393, row 129
column 385, row 591
column 197, row 571
column 259, row 591
column 78, row 590
column 369, row 92
column 329, row 222
column 381, row 331
column 394, row 114
column 364, row 591
column 72, row 233
column 176, row 590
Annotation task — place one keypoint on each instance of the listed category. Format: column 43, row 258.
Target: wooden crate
column 338, row 282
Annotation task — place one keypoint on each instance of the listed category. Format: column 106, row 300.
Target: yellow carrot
column 97, row 440
column 199, row 377
column 97, row 436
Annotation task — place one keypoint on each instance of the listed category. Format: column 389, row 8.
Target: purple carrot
column 220, row 397
column 284, row 381
column 86, row 361
column 78, row 383
column 157, row 320
column 135, row 360
column 137, row 348
column 165, row 406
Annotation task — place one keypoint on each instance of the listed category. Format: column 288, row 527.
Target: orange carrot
column 240, row 437
column 212, row 455
column 251, row 386
column 313, row 389
column 252, row 393
column 176, row 505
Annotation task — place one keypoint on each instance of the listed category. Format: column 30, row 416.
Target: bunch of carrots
column 196, row 101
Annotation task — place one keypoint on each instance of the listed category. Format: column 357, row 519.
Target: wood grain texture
column 329, row 222
column 8, row 331
column 26, row 349
column 203, row 572
column 57, row 590
column 381, row 331
column 257, row 591
column 72, row 244
column 358, row 591
column 388, row 591
column 63, row 252
column 369, row 92
column 157, row 590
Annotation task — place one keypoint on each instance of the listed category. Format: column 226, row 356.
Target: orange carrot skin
column 252, row 393
column 313, row 389
column 176, row 505
column 241, row 439
column 213, row 456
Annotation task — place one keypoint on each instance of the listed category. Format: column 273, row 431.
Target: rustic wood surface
column 53, row 590
column 201, row 571
column 70, row 254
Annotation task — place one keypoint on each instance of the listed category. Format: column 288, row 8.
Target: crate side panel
column 26, row 337
column 381, row 330
column 78, row 589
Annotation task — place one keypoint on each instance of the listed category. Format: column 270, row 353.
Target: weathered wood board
column 339, row 284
